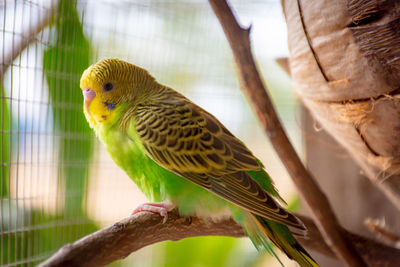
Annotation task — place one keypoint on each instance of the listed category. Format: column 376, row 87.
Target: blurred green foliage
column 201, row 251
column 4, row 144
column 63, row 64
column 30, row 236
column 5, row 166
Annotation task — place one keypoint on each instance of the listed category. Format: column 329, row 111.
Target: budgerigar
column 181, row 156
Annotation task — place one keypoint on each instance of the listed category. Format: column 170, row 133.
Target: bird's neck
column 113, row 122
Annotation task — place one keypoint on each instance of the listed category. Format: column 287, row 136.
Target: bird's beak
column 88, row 95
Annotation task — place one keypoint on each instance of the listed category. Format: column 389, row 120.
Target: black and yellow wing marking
column 185, row 139
column 181, row 136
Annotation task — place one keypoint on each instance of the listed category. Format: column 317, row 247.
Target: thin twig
column 253, row 87
column 382, row 232
column 122, row 238
column 283, row 62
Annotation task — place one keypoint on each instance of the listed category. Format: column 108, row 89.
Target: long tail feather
column 261, row 230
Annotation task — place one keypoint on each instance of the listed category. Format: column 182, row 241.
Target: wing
column 187, row 140
column 182, row 137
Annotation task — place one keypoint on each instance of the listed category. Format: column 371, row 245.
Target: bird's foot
column 161, row 208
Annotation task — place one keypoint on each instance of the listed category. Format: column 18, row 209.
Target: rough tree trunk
column 345, row 64
column 353, row 197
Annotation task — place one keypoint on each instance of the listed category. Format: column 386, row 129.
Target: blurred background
column 57, row 183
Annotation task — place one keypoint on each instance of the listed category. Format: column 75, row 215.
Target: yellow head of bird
column 108, row 84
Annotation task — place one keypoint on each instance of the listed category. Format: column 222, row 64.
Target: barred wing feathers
column 185, row 139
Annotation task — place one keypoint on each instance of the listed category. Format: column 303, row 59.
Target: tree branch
column 379, row 228
column 255, row 90
column 34, row 29
column 122, row 238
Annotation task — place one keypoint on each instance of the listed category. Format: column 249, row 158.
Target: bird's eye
column 108, row 87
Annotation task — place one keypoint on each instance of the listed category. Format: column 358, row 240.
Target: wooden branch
column 255, row 90
column 373, row 252
column 283, row 62
column 122, row 238
column 382, row 232
column 26, row 38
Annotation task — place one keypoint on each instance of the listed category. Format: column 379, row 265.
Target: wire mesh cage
column 57, row 182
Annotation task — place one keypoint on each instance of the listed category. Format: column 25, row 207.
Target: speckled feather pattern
column 187, row 140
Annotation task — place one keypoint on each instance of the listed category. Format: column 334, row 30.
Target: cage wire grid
column 57, row 182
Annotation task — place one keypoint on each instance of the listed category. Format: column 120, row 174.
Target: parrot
column 181, row 156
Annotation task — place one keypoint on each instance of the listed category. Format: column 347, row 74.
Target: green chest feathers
column 156, row 182
column 127, row 152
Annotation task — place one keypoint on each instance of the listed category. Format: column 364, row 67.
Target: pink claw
column 161, row 208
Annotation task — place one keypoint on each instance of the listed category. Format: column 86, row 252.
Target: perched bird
column 181, row 156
